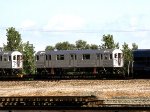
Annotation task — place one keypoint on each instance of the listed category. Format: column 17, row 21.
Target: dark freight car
column 141, row 64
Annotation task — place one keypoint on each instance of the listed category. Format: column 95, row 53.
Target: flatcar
column 141, row 62
column 11, row 63
column 106, row 61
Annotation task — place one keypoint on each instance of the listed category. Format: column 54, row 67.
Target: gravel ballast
column 100, row 88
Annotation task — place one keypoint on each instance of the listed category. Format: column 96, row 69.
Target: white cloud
column 134, row 21
column 65, row 22
column 27, row 24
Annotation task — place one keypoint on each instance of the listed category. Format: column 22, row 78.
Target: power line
column 78, row 31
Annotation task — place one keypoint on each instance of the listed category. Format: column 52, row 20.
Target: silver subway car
column 79, row 61
column 11, row 62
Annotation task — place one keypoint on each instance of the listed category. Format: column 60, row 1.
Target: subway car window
column 9, row 58
column 106, row 56
column 98, row 56
column 60, row 57
column 5, row 58
column 0, row 58
column 46, row 57
column 101, row 56
column 86, row 56
column 110, row 56
column 71, row 56
column 49, row 57
column 37, row 57
column 75, row 57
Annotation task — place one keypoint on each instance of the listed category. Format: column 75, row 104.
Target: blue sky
column 46, row 22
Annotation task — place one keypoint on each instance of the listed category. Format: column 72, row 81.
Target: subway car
column 11, row 63
column 104, row 61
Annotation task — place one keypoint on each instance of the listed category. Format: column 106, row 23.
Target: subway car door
column 19, row 63
column 119, row 59
column 73, row 60
column 98, row 61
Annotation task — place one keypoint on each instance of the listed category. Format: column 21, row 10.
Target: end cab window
column 115, row 55
column 14, row 57
column 119, row 55
column 18, row 57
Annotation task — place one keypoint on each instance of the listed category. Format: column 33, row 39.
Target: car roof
column 80, row 51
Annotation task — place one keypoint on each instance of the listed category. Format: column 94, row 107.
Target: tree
column 72, row 47
column 128, row 56
column 29, row 59
column 134, row 46
column 94, row 46
column 81, row 44
column 14, row 41
column 109, row 42
column 64, row 46
column 49, row 48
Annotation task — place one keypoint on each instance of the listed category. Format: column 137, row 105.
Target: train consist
column 100, row 63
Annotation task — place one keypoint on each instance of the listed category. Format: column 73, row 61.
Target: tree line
column 14, row 42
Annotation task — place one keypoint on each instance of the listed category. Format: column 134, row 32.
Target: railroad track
column 131, row 101
column 60, row 77
column 71, row 102
column 45, row 102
